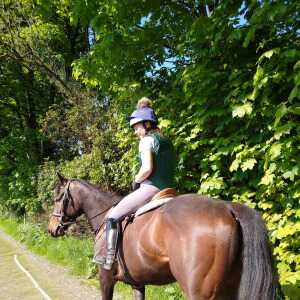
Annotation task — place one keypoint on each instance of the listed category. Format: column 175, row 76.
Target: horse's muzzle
column 55, row 228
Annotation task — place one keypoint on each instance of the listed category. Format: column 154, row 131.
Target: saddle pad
column 151, row 205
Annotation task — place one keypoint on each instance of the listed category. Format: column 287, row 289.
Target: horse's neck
column 95, row 207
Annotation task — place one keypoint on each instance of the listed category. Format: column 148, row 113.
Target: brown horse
column 214, row 249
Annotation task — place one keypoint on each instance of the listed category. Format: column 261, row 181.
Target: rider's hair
column 142, row 103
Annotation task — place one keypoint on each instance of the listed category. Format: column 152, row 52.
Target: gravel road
column 53, row 281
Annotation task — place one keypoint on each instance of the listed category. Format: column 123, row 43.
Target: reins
column 100, row 213
column 65, row 202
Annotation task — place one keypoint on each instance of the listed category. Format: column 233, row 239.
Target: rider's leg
column 133, row 201
column 111, row 242
column 126, row 206
column 111, row 237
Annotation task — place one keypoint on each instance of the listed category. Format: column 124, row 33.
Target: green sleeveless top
column 164, row 162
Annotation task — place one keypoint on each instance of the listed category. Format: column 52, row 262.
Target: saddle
column 165, row 193
column 158, row 200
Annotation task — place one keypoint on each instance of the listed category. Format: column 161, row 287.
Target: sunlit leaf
column 242, row 110
column 291, row 173
column 281, row 111
column 248, row 164
column 275, row 150
column 268, row 54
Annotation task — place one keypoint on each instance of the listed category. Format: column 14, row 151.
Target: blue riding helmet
column 142, row 115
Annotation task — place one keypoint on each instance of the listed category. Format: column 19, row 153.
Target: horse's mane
column 100, row 195
column 112, row 196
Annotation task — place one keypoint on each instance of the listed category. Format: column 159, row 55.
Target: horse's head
column 65, row 210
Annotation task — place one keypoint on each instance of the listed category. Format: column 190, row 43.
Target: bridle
column 64, row 220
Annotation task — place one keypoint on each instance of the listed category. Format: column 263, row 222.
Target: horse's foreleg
column 107, row 283
column 139, row 293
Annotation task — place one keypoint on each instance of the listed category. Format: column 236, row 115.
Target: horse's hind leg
column 139, row 293
column 203, row 265
column 208, row 292
column 107, row 283
column 209, row 284
column 195, row 280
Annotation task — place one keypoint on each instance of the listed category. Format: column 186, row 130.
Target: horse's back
column 193, row 201
column 197, row 218
column 196, row 209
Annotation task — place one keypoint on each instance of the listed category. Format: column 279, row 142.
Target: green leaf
column 291, row 173
column 285, row 129
column 258, row 75
column 267, row 179
column 294, row 110
column 288, row 229
column 268, row 54
column 234, row 165
column 164, row 123
column 242, row 110
column 211, row 184
column 250, row 36
column 275, row 150
column 266, row 205
column 248, row 164
column 295, row 93
column 281, row 111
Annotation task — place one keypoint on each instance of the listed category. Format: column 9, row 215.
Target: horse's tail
column 259, row 278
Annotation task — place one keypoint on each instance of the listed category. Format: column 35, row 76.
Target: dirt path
column 17, row 265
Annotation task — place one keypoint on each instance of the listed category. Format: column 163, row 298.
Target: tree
column 36, row 58
column 225, row 76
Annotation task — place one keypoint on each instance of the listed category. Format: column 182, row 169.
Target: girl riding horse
column 157, row 159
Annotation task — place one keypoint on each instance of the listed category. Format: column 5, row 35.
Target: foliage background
column 224, row 77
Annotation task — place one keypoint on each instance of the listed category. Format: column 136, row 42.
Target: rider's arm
column 147, row 166
column 146, row 154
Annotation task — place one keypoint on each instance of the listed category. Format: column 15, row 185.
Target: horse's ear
column 62, row 179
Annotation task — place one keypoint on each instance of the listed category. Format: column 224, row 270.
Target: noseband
column 65, row 200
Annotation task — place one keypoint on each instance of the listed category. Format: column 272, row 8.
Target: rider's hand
column 135, row 185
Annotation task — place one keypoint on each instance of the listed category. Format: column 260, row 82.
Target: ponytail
column 144, row 102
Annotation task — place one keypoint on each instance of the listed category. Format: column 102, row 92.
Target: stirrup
column 109, row 260
column 104, row 262
column 99, row 260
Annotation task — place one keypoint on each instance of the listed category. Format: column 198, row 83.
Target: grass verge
column 75, row 254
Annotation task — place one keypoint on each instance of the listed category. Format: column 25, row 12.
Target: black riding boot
column 111, row 242
column 111, row 245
